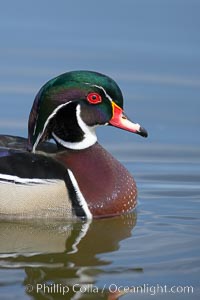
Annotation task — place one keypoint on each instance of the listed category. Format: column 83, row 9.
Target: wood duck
column 75, row 176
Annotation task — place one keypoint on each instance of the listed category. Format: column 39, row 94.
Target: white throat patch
column 89, row 138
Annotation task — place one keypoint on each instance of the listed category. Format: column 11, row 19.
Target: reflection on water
column 161, row 248
column 155, row 246
column 63, row 254
column 151, row 48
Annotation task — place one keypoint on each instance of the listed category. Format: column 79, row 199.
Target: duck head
column 69, row 107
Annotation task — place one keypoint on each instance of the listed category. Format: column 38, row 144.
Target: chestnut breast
column 107, row 186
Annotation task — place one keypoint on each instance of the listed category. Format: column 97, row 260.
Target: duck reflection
column 57, row 255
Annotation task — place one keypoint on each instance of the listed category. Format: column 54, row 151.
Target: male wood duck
column 75, row 176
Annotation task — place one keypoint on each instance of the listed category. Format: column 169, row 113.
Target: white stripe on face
column 46, row 123
column 90, row 136
column 101, row 88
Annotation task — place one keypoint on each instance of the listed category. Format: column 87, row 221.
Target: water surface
column 151, row 48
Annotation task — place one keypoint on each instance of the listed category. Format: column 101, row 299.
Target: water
column 151, row 48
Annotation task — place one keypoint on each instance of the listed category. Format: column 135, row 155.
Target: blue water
column 152, row 49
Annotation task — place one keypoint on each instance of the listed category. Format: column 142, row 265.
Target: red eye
column 94, row 98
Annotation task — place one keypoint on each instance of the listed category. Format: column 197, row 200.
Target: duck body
column 76, row 177
column 57, row 184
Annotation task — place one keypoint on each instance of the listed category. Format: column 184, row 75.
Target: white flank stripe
column 47, row 122
column 81, row 198
column 16, row 179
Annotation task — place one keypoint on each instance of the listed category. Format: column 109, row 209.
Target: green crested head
column 68, row 108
